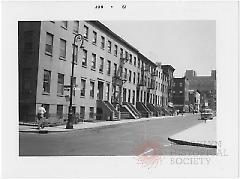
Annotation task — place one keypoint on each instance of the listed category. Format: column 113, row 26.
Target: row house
column 111, row 77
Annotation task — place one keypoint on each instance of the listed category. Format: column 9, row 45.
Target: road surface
column 123, row 140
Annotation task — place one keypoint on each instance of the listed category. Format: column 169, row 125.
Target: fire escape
column 117, row 82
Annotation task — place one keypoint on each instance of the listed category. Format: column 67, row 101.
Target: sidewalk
column 203, row 135
column 85, row 125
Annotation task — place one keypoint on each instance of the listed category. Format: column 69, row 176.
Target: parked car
column 206, row 114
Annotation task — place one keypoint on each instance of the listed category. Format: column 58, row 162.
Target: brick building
column 108, row 73
column 181, row 94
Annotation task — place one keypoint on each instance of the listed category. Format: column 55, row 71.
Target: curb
column 182, row 142
column 97, row 127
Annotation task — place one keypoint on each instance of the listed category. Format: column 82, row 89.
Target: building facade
column 206, row 85
column 194, row 100
column 107, row 68
column 181, row 94
column 169, row 70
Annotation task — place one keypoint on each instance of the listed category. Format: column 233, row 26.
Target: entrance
column 137, row 99
column 124, row 95
column 100, row 91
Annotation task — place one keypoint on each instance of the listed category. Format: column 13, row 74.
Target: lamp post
column 77, row 38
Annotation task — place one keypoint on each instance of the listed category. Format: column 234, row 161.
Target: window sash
column 60, row 87
column 102, row 42
column 85, row 35
column 91, row 113
column 109, row 46
column 46, row 81
column 91, row 89
column 94, row 37
column 101, row 65
column 60, row 111
column 109, row 68
column 83, row 86
column 62, row 48
column 115, row 51
column 130, row 76
column 76, row 26
column 93, row 61
column 84, row 60
column 82, row 112
column 121, row 52
column 49, row 43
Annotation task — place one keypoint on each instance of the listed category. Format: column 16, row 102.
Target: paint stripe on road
column 146, row 152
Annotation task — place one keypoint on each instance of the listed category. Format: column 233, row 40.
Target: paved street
column 125, row 139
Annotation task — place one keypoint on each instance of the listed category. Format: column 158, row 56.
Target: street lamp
column 78, row 38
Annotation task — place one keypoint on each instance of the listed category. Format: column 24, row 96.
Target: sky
column 182, row 44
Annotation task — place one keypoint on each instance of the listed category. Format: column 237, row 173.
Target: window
column 75, row 50
column 94, row 37
column 121, row 52
column 130, row 58
column 102, row 42
column 173, row 92
column 62, row 49
column 139, row 63
column 115, row 50
column 115, row 69
column 134, row 75
column 82, row 112
column 108, row 67
column 173, row 84
column 49, row 44
column 91, row 89
column 91, row 112
column 64, row 24
column 83, row 87
column 84, row 60
column 138, row 78
column 46, row 81
column 60, row 86
column 107, row 91
column 109, row 46
column 125, row 74
column 101, row 64
column 59, row 111
column 180, row 84
column 135, row 61
column 75, row 26
column 94, row 58
column 180, row 92
column 126, row 54
column 130, row 75
column 85, row 33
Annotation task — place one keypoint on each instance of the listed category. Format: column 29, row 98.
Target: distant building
column 180, row 94
column 206, row 85
column 169, row 70
column 194, row 100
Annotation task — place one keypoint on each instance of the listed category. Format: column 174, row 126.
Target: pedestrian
column 41, row 112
